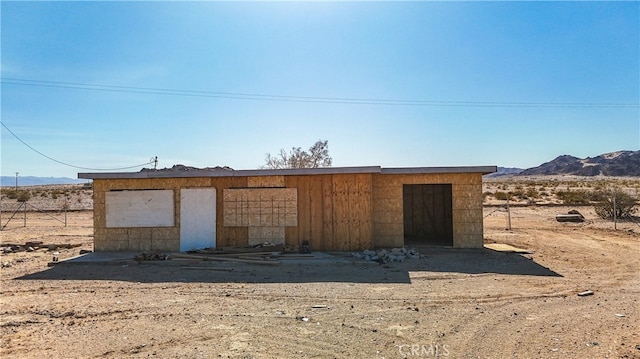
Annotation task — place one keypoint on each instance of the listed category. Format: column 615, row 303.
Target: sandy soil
column 452, row 303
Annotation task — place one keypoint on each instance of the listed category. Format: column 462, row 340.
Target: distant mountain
column 7, row 181
column 505, row 171
column 618, row 164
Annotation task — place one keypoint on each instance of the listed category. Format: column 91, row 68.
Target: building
column 334, row 209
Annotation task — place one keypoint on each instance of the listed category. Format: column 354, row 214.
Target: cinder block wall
column 388, row 222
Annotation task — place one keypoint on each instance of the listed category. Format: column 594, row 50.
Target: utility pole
column 17, row 173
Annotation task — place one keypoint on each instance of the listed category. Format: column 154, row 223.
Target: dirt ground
column 451, row 303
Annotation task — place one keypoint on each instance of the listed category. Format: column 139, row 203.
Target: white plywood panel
column 197, row 218
column 127, row 209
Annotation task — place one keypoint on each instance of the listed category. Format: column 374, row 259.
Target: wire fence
column 24, row 208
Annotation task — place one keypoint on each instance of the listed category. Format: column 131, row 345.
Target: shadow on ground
column 336, row 268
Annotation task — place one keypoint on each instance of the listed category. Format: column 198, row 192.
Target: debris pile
column 386, row 256
column 571, row 216
column 32, row 246
column 144, row 256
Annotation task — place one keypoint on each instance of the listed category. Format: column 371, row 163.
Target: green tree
column 317, row 156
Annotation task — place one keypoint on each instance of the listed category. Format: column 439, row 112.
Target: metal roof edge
column 426, row 170
column 288, row 172
column 308, row 171
column 231, row 173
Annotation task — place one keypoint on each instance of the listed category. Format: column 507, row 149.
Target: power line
column 306, row 99
column 153, row 160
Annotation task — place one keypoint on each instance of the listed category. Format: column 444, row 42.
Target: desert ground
column 457, row 303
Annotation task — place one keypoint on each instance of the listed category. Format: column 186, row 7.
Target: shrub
column 574, row 197
column 499, row 195
column 624, row 204
column 532, row 192
column 11, row 193
column 518, row 193
column 23, row 196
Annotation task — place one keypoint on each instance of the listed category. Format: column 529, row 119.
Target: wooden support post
column 615, row 217
column 508, row 214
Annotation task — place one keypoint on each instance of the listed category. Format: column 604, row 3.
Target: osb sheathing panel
column 228, row 236
column 259, row 235
column 265, row 181
column 260, row 207
column 388, row 227
column 160, row 239
column 334, row 212
column 265, row 211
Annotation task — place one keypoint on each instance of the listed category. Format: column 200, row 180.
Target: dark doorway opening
column 428, row 214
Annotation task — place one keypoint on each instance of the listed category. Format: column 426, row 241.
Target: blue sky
column 473, row 82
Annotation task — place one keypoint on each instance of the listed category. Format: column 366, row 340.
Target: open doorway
column 428, row 214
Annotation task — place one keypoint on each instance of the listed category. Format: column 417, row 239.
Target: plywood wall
column 160, row 238
column 387, row 206
column 340, row 212
column 266, row 211
column 334, row 212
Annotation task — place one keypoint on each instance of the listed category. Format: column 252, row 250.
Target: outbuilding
column 333, row 209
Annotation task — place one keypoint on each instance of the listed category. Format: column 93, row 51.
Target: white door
column 197, row 218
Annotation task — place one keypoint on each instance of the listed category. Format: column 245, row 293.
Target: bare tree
column 317, row 156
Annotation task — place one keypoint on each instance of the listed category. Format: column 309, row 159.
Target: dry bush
column 499, row 195
column 575, row 197
column 615, row 201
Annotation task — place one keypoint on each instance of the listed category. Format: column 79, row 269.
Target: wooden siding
column 334, row 212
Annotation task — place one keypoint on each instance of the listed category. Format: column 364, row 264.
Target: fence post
column 615, row 217
column 508, row 214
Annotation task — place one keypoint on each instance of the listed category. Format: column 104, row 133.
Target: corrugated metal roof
column 285, row 172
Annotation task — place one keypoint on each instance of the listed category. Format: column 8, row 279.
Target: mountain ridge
column 10, row 181
column 615, row 164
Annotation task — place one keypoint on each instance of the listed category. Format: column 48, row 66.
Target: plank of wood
column 503, row 247
column 257, row 258
column 64, row 245
column 327, row 213
column 295, row 256
column 207, row 268
column 316, row 241
column 218, row 258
